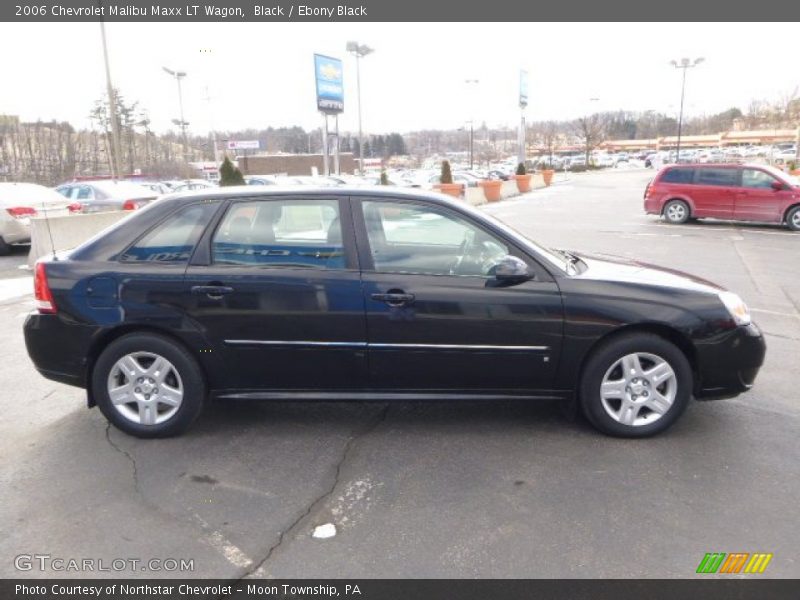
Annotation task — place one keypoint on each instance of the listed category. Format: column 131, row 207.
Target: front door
column 435, row 321
column 757, row 200
column 279, row 294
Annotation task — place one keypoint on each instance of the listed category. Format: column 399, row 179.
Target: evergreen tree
column 230, row 175
column 447, row 174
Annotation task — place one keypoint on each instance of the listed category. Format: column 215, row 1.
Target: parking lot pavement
column 503, row 489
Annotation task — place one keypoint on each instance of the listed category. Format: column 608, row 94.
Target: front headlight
column 736, row 307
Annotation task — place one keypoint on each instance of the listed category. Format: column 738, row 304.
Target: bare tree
column 591, row 132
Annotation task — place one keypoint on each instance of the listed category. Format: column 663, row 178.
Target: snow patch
column 323, row 532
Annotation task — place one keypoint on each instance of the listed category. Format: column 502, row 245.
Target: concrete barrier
column 475, row 196
column 68, row 231
column 509, row 189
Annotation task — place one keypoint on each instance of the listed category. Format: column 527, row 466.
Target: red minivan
column 733, row 192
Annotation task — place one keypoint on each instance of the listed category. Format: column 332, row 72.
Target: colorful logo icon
column 735, row 562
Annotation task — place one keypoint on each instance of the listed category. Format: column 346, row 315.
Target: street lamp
column 471, row 127
column 178, row 75
column 684, row 64
column 359, row 51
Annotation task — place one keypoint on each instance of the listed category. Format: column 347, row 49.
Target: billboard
column 523, row 88
column 330, row 84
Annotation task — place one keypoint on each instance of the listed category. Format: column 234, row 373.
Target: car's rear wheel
column 676, row 212
column 5, row 248
column 793, row 219
column 635, row 385
column 148, row 386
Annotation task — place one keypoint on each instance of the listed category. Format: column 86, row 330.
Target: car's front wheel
column 148, row 386
column 793, row 219
column 635, row 385
column 676, row 212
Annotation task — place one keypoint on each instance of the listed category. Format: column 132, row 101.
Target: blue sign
column 330, row 84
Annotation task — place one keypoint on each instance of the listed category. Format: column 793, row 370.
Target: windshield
column 792, row 179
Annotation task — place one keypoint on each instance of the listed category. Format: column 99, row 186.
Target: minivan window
column 281, row 233
column 174, row 239
column 758, row 179
column 679, row 175
column 717, row 177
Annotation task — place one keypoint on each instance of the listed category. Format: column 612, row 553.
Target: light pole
column 471, row 126
column 359, row 51
column 178, row 75
column 684, row 64
column 115, row 160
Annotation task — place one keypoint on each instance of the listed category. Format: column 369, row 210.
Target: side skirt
column 383, row 396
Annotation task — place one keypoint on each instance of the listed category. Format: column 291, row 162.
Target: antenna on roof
column 49, row 231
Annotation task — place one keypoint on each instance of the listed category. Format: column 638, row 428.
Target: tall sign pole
column 330, row 101
column 523, row 103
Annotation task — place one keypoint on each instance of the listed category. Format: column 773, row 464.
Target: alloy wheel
column 145, row 388
column 638, row 389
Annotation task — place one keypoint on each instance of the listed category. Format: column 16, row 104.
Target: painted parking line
column 775, row 312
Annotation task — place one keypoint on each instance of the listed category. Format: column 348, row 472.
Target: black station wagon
column 373, row 293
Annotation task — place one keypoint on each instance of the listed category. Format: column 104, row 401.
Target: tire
column 163, row 399
column 5, row 249
column 793, row 219
column 676, row 212
column 637, row 406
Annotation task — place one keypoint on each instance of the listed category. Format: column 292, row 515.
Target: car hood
column 604, row 267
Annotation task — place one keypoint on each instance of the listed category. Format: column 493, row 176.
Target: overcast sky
column 261, row 74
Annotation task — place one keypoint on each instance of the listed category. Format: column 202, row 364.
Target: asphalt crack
column 319, row 500
column 127, row 455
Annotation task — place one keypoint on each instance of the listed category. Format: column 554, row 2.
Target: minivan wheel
column 635, row 385
column 676, row 212
column 148, row 386
column 793, row 219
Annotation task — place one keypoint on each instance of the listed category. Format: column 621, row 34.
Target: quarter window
column 408, row 238
column 173, row 240
column 281, row 233
column 722, row 177
column 678, row 176
column 755, row 178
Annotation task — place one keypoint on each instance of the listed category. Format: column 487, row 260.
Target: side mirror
column 510, row 271
column 778, row 186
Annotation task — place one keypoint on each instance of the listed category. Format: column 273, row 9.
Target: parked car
column 733, row 192
column 374, row 293
column 102, row 195
column 21, row 201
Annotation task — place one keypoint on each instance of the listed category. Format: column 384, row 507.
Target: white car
column 21, row 201
column 107, row 194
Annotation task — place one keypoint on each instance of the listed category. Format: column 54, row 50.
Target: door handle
column 215, row 292
column 394, row 298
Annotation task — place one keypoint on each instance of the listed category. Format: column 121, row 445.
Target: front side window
column 410, row 238
column 174, row 239
column 757, row 179
column 722, row 177
column 281, row 233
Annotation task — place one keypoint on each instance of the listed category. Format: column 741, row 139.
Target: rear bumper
column 652, row 206
column 730, row 365
column 58, row 349
column 14, row 231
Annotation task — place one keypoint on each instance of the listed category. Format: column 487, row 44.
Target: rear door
column 276, row 290
column 435, row 322
column 757, row 200
column 714, row 191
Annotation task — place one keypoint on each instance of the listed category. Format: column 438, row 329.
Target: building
column 292, row 164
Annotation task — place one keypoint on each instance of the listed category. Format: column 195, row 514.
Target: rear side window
column 174, row 239
column 281, row 233
column 717, row 177
column 678, row 176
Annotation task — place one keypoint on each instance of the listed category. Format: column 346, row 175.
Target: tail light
column 75, row 207
column 130, row 205
column 21, row 212
column 44, row 297
column 648, row 189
